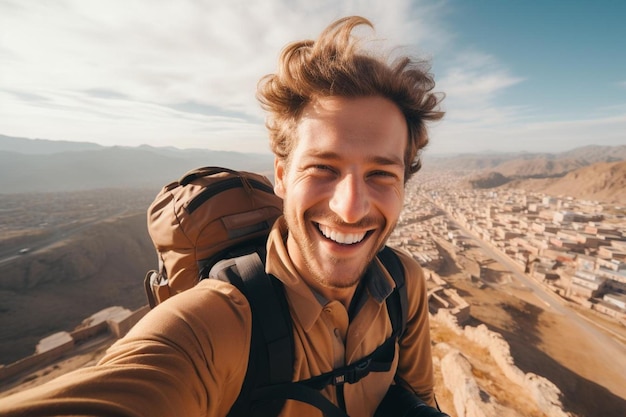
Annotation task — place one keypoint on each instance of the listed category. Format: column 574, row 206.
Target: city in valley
column 545, row 274
column 574, row 248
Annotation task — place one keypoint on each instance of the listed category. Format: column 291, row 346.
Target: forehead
column 352, row 126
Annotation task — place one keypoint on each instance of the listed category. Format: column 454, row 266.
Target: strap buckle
column 353, row 374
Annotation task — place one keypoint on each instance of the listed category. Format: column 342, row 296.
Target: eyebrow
column 376, row 159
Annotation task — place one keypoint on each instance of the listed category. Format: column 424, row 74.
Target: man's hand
column 399, row 402
column 425, row 411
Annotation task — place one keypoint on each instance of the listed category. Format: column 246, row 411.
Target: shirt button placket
column 336, row 322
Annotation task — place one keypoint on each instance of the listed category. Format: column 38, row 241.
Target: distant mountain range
column 602, row 181
column 38, row 165
column 591, row 172
column 528, row 165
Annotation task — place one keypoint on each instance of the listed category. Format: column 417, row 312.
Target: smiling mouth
column 342, row 238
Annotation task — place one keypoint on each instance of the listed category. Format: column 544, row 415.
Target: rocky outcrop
column 545, row 393
column 469, row 399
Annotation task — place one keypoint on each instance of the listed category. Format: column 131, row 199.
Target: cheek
column 390, row 202
column 306, row 193
column 296, row 202
column 399, row 202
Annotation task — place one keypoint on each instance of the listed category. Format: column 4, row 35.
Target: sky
column 518, row 76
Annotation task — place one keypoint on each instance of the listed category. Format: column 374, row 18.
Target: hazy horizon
column 427, row 152
column 518, row 77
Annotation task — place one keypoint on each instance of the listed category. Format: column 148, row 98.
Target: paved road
column 547, row 297
column 9, row 259
column 62, row 233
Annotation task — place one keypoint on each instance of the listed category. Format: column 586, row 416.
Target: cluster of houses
column 576, row 248
column 102, row 327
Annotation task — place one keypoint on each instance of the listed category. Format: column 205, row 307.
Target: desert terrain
column 541, row 342
column 89, row 250
column 86, row 251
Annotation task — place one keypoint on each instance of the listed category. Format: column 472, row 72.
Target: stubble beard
column 307, row 250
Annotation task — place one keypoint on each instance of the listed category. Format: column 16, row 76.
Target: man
column 346, row 129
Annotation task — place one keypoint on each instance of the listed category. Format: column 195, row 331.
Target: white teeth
column 343, row 238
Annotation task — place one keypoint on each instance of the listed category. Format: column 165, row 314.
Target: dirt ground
column 541, row 341
column 47, row 373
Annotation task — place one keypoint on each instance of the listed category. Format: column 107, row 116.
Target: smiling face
column 343, row 189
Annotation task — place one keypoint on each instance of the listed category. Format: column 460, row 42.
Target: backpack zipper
column 224, row 185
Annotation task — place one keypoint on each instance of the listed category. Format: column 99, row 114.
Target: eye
column 322, row 169
column 383, row 174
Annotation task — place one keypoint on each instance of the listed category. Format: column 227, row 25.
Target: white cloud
column 476, row 86
column 149, row 51
column 73, row 116
column 184, row 73
column 115, row 69
column 472, row 84
column 211, row 52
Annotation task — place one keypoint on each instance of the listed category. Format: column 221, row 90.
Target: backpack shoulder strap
column 271, row 352
column 397, row 302
column 269, row 305
column 268, row 382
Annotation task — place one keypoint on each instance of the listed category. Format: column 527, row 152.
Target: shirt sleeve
column 415, row 365
column 184, row 358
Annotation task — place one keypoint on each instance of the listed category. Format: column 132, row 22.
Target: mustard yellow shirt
column 188, row 356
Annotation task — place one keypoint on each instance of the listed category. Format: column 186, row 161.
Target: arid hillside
column 526, row 165
column 539, row 167
column 56, row 287
column 602, row 181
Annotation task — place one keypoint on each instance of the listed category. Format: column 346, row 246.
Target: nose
column 350, row 200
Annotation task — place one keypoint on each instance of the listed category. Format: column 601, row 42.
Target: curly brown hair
column 334, row 65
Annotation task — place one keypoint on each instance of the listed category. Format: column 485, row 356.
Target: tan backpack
column 210, row 214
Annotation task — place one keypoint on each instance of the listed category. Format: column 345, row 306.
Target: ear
column 279, row 177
